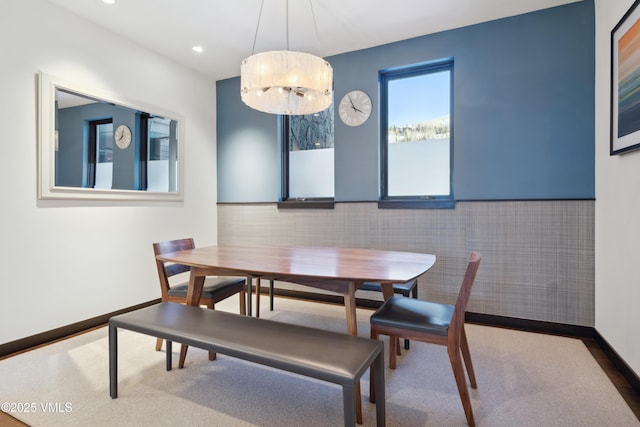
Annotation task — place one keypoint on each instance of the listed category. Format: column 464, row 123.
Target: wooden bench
column 325, row 355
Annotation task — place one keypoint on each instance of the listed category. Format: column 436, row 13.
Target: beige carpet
column 524, row 379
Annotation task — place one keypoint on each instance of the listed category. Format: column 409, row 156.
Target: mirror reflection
column 103, row 145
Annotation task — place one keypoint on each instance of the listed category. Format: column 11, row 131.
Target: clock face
column 355, row 108
column 122, row 136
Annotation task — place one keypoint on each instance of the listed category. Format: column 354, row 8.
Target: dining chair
column 434, row 323
column 405, row 289
column 215, row 289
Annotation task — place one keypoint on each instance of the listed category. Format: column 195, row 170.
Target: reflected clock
column 122, row 136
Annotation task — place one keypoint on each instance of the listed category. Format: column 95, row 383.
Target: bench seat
column 325, row 355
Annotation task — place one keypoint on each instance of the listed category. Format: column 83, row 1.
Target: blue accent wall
column 523, row 125
column 248, row 150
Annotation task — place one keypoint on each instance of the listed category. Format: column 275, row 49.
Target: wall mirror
column 94, row 146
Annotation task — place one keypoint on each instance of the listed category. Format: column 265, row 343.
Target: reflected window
column 161, row 165
column 100, row 154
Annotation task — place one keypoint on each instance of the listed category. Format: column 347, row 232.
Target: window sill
column 307, row 204
column 417, row 204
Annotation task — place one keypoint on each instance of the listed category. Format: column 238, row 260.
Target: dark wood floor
column 628, row 393
column 7, row 420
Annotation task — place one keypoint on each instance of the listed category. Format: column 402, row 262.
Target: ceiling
column 226, row 28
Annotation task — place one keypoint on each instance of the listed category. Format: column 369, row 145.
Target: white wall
column 617, row 210
column 62, row 263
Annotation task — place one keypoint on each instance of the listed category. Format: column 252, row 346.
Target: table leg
column 194, row 292
column 387, row 292
column 350, row 307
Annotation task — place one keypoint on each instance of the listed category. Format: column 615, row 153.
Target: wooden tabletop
column 307, row 262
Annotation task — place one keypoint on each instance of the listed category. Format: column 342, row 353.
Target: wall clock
column 355, row 108
column 122, row 136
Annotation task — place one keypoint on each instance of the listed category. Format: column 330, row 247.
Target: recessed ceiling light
column 198, row 49
column 109, row 1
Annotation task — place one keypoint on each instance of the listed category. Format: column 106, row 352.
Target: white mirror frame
column 47, row 145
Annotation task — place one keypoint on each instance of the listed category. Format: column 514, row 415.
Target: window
column 308, row 159
column 416, row 138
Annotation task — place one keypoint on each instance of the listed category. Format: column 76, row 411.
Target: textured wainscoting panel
column 538, row 256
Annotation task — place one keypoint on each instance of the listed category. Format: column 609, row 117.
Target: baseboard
column 46, row 337
column 618, row 362
column 526, row 325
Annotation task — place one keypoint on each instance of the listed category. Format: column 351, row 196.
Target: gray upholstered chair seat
column 398, row 288
column 212, row 286
column 406, row 289
column 414, row 315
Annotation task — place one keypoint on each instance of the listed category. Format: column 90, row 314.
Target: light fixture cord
column 255, row 36
column 287, row 18
column 313, row 16
column 315, row 26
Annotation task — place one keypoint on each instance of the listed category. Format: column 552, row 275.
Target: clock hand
column 352, row 105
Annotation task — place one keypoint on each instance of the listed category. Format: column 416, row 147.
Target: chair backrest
column 465, row 292
column 166, row 270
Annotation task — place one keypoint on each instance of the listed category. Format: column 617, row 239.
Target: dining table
column 337, row 269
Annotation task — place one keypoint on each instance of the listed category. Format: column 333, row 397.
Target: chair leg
column 461, row 382
column 393, row 341
column 159, row 340
column 414, row 294
column 183, row 355
column 243, row 303
column 271, row 295
column 258, row 297
column 466, row 355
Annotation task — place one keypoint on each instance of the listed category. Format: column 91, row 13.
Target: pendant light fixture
column 286, row 82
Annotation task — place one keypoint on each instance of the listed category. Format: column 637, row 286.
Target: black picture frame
column 625, row 83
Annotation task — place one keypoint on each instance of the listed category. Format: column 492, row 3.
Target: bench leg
column 113, row 361
column 169, row 355
column 378, row 368
column 349, row 402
